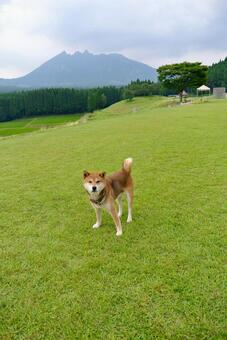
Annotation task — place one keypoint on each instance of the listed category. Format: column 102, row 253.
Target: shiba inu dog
column 103, row 190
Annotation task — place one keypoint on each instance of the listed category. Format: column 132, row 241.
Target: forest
column 217, row 74
column 52, row 101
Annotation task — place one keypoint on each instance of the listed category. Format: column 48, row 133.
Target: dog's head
column 94, row 182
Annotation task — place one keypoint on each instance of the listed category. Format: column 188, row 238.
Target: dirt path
column 30, row 123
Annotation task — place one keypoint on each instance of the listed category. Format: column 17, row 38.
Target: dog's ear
column 86, row 173
column 102, row 174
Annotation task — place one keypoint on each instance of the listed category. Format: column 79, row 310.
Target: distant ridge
column 83, row 70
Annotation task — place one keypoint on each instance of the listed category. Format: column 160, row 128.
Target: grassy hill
column 164, row 278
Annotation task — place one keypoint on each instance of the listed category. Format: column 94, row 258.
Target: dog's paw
column 96, row 225
column 119, row 233
column 129, row 219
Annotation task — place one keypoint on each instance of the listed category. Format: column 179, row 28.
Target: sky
column 155, row 32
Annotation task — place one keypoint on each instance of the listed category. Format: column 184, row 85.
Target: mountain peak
column 85, row 52
column 84, row 69
column 63, row 53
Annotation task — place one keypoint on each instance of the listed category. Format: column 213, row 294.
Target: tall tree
column 92, row 101
column 182, row 76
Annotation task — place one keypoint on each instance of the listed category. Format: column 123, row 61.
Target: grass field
column 21, row 126
column 165, row 277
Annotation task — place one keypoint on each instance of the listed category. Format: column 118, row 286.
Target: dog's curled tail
column 127, row 165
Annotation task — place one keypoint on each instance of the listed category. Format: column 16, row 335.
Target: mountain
column 83, row 70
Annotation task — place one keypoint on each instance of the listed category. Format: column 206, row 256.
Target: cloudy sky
column 152, row 31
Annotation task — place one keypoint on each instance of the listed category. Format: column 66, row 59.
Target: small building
column 219, row 92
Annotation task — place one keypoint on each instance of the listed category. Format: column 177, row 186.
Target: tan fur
column 107, row 190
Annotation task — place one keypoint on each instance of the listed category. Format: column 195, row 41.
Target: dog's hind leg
column 129, row 194
column 119, row 202
column 98, row 218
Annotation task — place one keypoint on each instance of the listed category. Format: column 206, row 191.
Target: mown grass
column 21, row 126
column 165, row 277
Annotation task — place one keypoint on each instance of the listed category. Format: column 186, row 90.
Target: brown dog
column 104, row 190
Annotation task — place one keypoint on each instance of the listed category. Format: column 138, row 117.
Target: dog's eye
column 90, row 181
column 97, row 182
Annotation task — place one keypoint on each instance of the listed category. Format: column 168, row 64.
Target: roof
column 203, row 88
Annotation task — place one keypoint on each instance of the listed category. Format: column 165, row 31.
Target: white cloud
column 152, row 31
column 24, row 44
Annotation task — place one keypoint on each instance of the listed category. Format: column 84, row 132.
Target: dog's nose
column 94, row 188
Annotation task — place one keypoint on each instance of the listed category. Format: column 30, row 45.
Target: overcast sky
column 155, row 32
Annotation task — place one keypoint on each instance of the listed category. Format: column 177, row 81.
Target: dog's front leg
column 98, row 218
column 117, row 220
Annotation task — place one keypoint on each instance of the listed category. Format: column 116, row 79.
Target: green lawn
column 19, row 126
column 165, row 277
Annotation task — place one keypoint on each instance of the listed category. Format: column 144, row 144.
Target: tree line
column 217, row 74
column 140, row 88
column 53, row 101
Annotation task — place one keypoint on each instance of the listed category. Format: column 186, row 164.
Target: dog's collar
column 100, row 199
